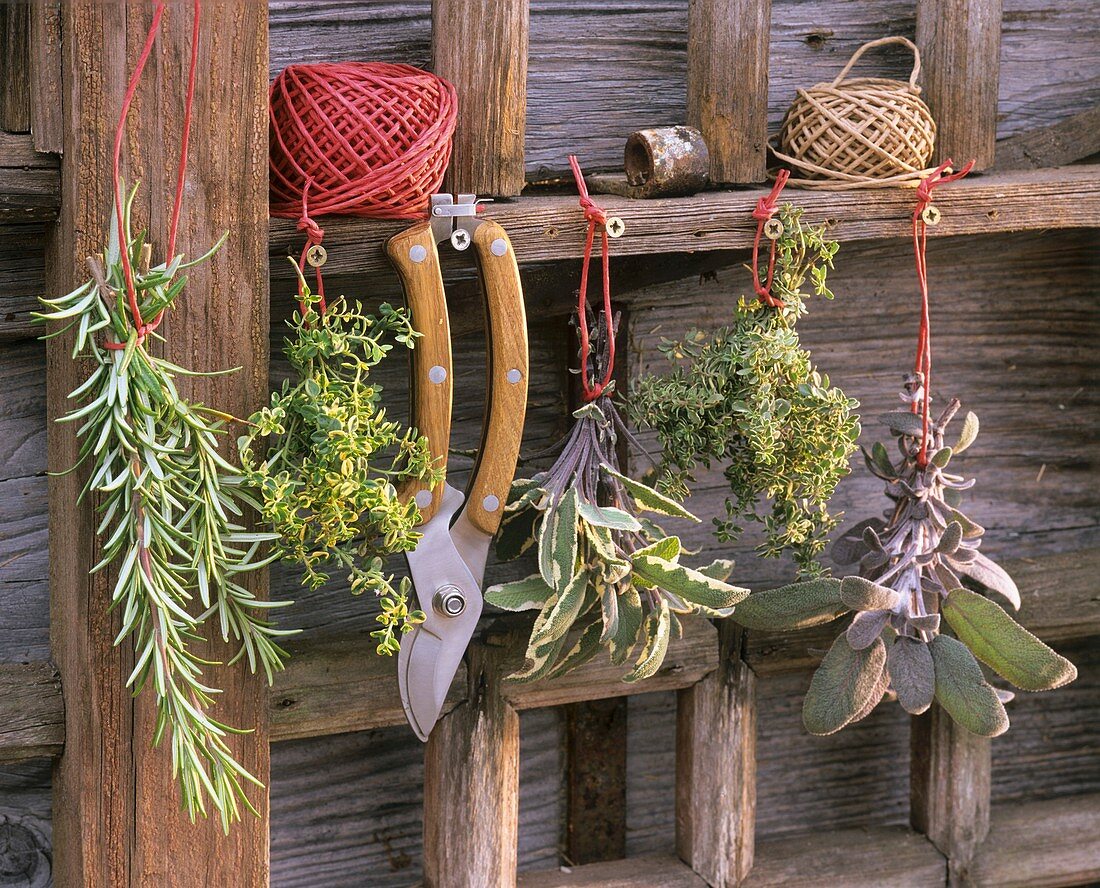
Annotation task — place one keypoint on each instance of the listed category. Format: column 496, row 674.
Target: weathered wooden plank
column 1058, row 144
column 45, row 76
column 634, row 872
column 1041, row 844
column 960, row 45
column 716, row 768
column 32, row 719
column 26, row 852
column 595, row 780
column 17, row 151
column 22, row 281
column 471, row 785
column 482, row 49
column 547, row 228
column 28, row 195
column 949, row 788
column 127, row 828
column 727, row 85
column 855, row 858
column 15, row 97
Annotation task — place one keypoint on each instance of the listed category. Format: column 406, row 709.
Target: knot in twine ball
column 361, row 139
column 865, row 132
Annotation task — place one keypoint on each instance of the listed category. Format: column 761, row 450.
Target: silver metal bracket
column 455, row 220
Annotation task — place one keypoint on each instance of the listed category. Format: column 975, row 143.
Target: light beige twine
column 866, row 132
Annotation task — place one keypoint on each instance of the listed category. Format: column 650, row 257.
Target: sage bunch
column 748, row 398
column 170, row 512
column 327, row 464
column 918, row 632
column 605, row 569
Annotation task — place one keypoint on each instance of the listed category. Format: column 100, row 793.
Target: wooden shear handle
column 413, row 253
column 506, row 406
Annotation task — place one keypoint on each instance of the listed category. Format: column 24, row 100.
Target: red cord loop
column 594, row 215
column 765, row 209
column 923, row 364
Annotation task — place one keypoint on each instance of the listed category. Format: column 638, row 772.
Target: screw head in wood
column 615, row 226
column 418, row 253
column 460, row 239
column 499, row 247
column 773, row 229
column 931, row 215
column 316, row 256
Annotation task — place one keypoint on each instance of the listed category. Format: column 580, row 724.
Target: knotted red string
column 923, row 364
column 594, row 215
column 765, row 209
column 314, row 235
column 143, row 328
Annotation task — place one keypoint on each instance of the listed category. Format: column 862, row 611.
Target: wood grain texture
column 45, row 76
column 1041, row 845
column 552, row 227
column 727, row 84
column 1058, row 144
column 413, row 253
column 960, row 45
column 28, row 195
column 855, row 858
column 22, row 280
column 949, row 788
column 595, row 780
column 716, row 768
column 481, row 47
column 15, row 95
column 634, row 872
column 32, row 719
column 471, row 786
column 126, row 828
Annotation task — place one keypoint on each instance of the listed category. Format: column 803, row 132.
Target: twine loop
column 765, row 209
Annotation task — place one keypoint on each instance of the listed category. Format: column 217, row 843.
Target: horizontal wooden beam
column 547, row 228
column 32, row 715
column 1064, row 142
column 30, row 183
column 633, row 872
column 1060, row 604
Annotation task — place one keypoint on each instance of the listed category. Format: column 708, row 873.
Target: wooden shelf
column 545, row 228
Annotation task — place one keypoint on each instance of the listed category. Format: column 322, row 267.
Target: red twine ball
column 361, row 139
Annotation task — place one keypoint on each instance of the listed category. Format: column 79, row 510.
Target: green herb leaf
column 565, row 610
column 969, row 432
column 903, row 422
column 962, row 690
column 558, row 542
column 650, row 500
column 607, row 516
column 630, row 623
column 657, row 627
column 796, row 606
column 863, row 595
column 585, row 648
column 691, row 585
column 517, row 533
column 531, row 593
column 990, row 575
column 909, row 662
column 842, row 686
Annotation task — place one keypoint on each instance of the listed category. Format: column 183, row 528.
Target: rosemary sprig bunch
column 910, row 590
column 748, row 398
column 170, row 510
column 602, row 566
column 327, row 464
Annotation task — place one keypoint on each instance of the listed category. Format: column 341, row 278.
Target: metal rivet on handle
column 490, row 503
column 499, row 246
column 418, row 253
column 513, row 376
column 437, row 374
column 449, row 601
column 423, row 498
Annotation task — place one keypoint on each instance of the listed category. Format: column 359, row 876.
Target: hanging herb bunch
column 917, row 632
column 327, row 464
column 748, row 398
column 603, row 566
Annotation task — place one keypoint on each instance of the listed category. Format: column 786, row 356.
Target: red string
column 143, row 328
column 765, row 209
column 923, row 364
column 594, row 215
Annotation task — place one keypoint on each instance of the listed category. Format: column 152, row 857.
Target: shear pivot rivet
column 423, row 498
column 418, row 253
column 513, row 376
column 437, row 374
column 449, row 601
column 490, row 503
column 499, row 247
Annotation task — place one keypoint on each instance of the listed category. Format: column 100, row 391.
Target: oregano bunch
column 747, row 397
column 603, row 567
column 327, row 463
column 917, row 632
column 170, row 513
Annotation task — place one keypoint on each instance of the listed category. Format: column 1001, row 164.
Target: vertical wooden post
column 949, row 788
column 471, row 786
column 728, row 84
column 481, row 47
column 45, row 76
column 716, row 768
column 15, row 102
column 960, row 45
column 116, row 816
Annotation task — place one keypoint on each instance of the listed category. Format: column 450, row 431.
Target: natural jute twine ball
column 863, row 132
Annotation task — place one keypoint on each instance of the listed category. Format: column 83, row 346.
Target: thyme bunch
column 326, row 463
column 170, row 515
column 747, row 397
column 911, row 589
column 603, row 567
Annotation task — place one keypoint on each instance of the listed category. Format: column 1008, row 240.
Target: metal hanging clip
column 455, row 220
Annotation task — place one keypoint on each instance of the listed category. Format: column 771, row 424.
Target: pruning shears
column 448, row 564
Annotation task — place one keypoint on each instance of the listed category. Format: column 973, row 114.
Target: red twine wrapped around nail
column 765, row 209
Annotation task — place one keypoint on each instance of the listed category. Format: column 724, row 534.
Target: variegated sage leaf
column 555, row 621
column 522, row 493
column 517, row 533
column 718, row 569
column 796, row 606
column 607, row 516
column 657, row 631
column 1003, row 644
column 651, row 500
column 630, row 623
column 585, row 648
column 668, row 548
column 558, row 542
column 520, row 595
column 903, row 422
column 962, row 690
column 609, row 613
column 911, row 671
column 865, row 627
column 992, row 576
column 864, row 595
column 969, row 432
column 691, row 585
column 844, row 683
